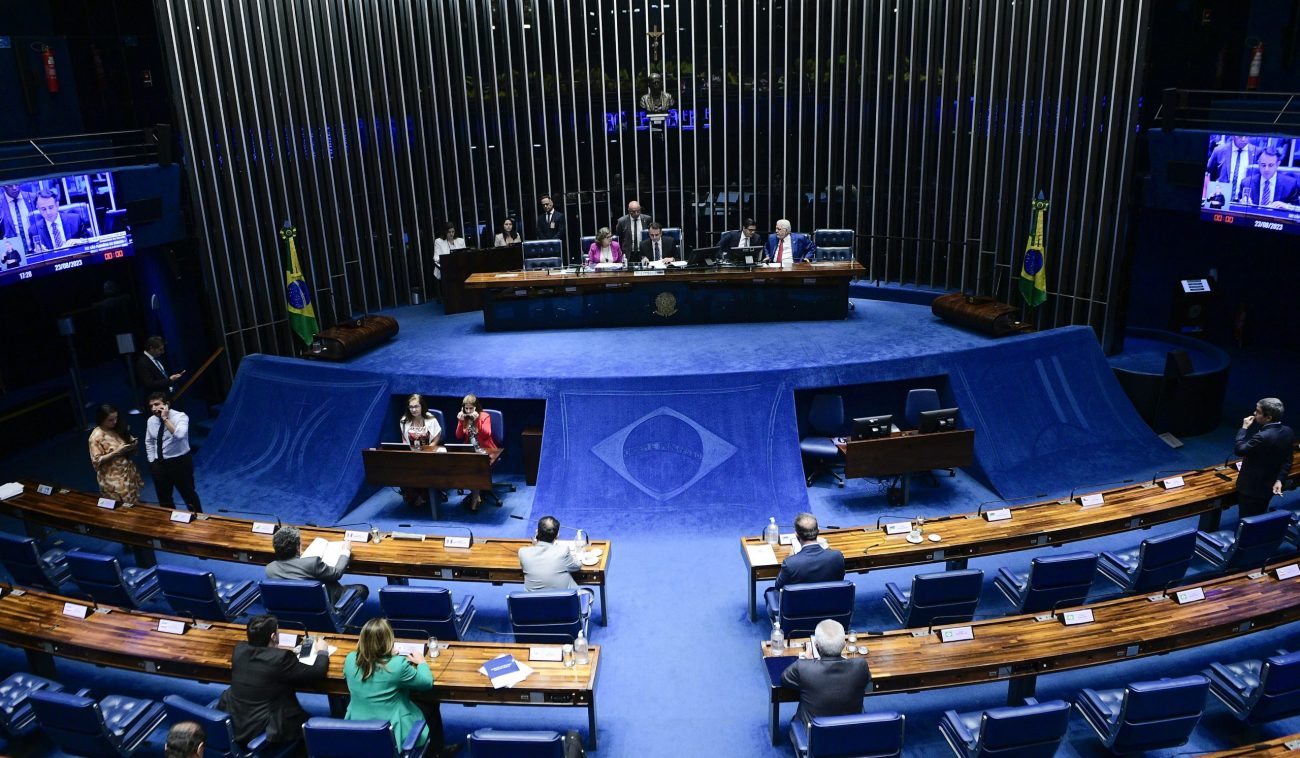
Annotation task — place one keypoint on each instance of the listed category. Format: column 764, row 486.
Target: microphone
column 374, row 533
column 94, row 606
column 1157, row 474
column 1090, row 486
column 943, row 620
column 466, row 529
column 1226, row 461
column 979, row 512
column 253, row 513
column 897, row 519
column 194, row 621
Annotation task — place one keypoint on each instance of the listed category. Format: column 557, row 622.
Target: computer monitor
column 703, row 257
column 872, row 427
column 940, row 420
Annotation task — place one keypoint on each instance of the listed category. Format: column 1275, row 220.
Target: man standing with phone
column 167, row 445
column 149, row 371
column 1264, row 445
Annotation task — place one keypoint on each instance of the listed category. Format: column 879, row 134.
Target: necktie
column 57, row 234
column 779, row 247
column 157, row 443
column 1232, row 178
column 659, row 255
column 1267, row 195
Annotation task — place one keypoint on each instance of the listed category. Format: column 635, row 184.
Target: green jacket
column 385, row 694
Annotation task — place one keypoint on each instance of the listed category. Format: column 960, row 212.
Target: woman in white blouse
column 507, row 235
column 420, row 431
column 443, row 245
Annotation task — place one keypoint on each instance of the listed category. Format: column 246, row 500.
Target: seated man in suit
column 547, row 565
column 1267, row 188
column 289, row 563
column 786, row 247
column 51, row 228
column 738, row 243
column 813, row 563
column 659, row 247
column 263, row 678
column 831, row 685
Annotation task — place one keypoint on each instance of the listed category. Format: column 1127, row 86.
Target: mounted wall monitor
column 872, row 427
column 1252, row 181
column 940, row 420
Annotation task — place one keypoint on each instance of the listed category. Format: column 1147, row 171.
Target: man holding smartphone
column 1265, row 446
column 167, row 445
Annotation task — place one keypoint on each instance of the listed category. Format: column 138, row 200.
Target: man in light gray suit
column 831, row 686
column 547, row 565
column 289, row 563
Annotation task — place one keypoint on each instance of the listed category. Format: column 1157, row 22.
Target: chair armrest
column 1215, row 538
column 1031, row 701
column 258, row 742
column 413, row 737
column 83, row 692
column 589, row 602
column 1225, row 673
column 954, row 722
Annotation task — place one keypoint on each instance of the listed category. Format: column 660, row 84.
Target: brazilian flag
column 1033, row 270
column 302, row 316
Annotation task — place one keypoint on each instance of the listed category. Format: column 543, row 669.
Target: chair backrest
column 1159, row 714
column 1059, row 580
column 826, row 415
column 16, row 714
column 100, row 576
column 424, row 609
column 863, row 735
column 1278, row 694
column 22, row 560
column 543, row 253
column 918, row 401
column 301, row 601
column 1025, row 731
column 944, row 597
column 498, row 426
column 1163, row 559
column 804, row 606
column 495, row 743
column 74, row 722
column 220, row 740
column 1258, row 538
column 442, row 423
column 341, row 738
column 834, row 253
column 545, row 616
column 584, row 246
column 832, row 238
column 189, row 590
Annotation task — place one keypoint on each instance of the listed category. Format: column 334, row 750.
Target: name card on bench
column 45, row 489
column 1071, row 618
column 106, row 502
column 786, row 539
column 409, row 648
column 171, row 626
column 956, row 634
column 286, row 639
column 462, row 541
column 1095, row 498
column 408, row 536
column 263, row 527
column 898, row 527
column 998, row 514
column 1287, row 572
column 356, row 535
column 1189, row 596
column 1172, row 482
column 182, row 517
column 74, row 610
column 546, row 653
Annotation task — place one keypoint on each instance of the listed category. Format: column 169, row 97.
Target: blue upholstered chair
column 104, row 579
column 1153, row 565
column 428, row 610
column 833, row 244
column 1051, row 582
column 499, row 437
column 29, row 565
column 307, row 602
column 1255, row 540
column 542, row 254
column 1258, row 691
column 341, row 738
column 825, row 421
column 198, row 592
column 801, row 607
column 669, row 231
column 941, row 598
column 220, row 741
column 17, row 717
column 919, row 401
column 1145, row 715
column 1032, row 730
column 584, row 247
column 496, row 743
column 861, row 735
column 549, row 616
column 116, row 725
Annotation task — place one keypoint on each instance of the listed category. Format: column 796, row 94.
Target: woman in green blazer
column 380, row 683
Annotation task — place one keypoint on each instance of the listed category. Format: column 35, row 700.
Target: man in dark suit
column 51, row 229
column 813, row 563
column 739, row 242
column 290, row 563
column 1267, row 188
column 550, row 225
column 263, row 679
column 1265, row 447
column 659, row 247
column 1231, row 161
column 16, row 207
column 150, row 374
column 786, row 247
column 831, row 685
column 628, row 229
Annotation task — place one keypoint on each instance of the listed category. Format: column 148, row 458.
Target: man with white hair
column 786, row 247
column 831, row 685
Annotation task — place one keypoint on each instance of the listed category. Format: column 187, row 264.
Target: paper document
column 328, row 552
column 505, row 671
column 761, row 555
column 311, row 659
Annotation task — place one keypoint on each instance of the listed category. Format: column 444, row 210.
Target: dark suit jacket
column 544, row 230
column 623, row 230
column 74, row 227
column 11, row 226
column 669, row 248
column 813, row 563
column 261, row 694
column 731, row 239
column 1220, row 165
column 1265, row 458
column 801, row 244
column 1287, row 188
column 829, row 686
column 148, row 376
column 311, row 568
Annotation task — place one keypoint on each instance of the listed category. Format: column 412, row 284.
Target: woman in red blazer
column 474, row 427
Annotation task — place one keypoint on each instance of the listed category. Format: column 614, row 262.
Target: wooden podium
column 902, row 454
column 427, row 469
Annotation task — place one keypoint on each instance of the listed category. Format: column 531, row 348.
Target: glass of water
column 852, row 639
column 434, row 652
column 568, row 656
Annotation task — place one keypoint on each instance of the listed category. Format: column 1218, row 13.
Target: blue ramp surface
column 289, row 440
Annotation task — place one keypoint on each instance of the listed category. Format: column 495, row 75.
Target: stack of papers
column 505, row 671
column 328, row 552
column 761, row 555
column 9, row 490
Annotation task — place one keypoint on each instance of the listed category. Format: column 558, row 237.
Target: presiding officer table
column 564, row 298
column 126, row 639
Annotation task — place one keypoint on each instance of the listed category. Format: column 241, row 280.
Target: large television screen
column 60, row 223
column 1252, row 181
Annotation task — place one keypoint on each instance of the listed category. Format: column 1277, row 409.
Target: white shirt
column 161, row 370
column 657, row 251
column 440, row 248
column 173, row 445
column 744, row 239
column 607, row 254
column 636, row 233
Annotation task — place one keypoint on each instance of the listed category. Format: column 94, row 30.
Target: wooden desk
column 225, row 538
column 908, row 452
column 459, row 265
column 1205, row 492
column 129, row 640
column 1019, row 648
column 1278, row 746
column 427, row 469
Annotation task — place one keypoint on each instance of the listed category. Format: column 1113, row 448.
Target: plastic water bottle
column 771, row 532
column 778, row 636
column 580, row 649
